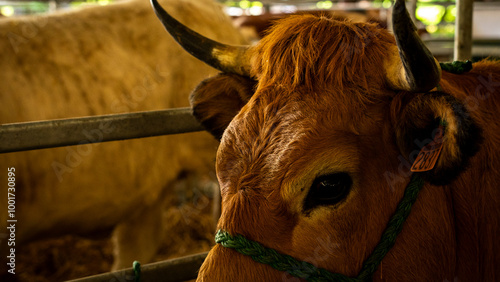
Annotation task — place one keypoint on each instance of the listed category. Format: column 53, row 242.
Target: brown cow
column 94, row 61
column 319, row 123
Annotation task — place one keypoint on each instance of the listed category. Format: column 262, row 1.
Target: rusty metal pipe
column 78, row 131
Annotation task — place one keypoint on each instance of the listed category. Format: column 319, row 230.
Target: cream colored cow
column 101, row 60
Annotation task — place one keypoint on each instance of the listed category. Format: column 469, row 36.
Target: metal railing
column 178, row 269
column 24, row 136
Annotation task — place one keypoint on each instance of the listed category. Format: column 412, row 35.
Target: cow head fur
column 322, row 100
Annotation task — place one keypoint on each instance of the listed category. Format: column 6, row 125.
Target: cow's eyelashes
column 328, row 190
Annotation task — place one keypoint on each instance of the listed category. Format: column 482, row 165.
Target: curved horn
column 226, row 58
column 417, row 70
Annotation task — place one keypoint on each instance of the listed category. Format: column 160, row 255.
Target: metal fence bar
column 24, row 136
column 463, row 30
column 173, row 270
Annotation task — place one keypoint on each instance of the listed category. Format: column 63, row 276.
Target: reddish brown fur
column 476, row 193
column 300, row 52
column 317, row 111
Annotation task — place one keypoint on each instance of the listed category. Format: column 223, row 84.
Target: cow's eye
column 328, row 190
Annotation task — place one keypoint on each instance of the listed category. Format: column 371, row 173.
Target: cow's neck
column 475, row 196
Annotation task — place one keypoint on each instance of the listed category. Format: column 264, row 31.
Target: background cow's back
column 95, row 61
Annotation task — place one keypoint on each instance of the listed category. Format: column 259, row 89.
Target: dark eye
column 328, row 190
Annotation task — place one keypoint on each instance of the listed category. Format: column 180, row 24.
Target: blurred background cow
column 253, row 27
column 106, row 60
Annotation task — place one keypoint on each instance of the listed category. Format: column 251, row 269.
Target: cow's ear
column 217, row 100
column 418, row 118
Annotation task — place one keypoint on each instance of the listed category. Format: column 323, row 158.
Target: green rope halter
column 305, row 270
column 457, row 67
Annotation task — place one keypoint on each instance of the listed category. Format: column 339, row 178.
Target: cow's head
column 317, row 124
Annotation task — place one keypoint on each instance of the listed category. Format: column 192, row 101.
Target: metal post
column 78, row 131
column 463, row 31
column 179, row 269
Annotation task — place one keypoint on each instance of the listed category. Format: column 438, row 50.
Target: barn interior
column 190, row 208
column 435, row 19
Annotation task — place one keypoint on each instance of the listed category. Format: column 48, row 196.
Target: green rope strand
column 281, row 262
column 305, row 270
column 137, row 271
column 457, row 67
column 394, row 227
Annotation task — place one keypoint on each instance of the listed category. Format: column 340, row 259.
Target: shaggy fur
column 236, row 91
column 94, row 61
column 323, row 105
column 297, row 54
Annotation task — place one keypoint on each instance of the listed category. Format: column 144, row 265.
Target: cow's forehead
column 273, row 140
column 316, row 78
